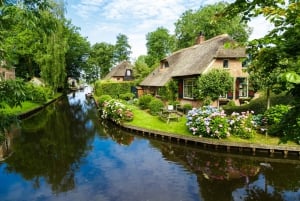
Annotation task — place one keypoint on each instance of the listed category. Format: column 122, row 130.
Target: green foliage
column 159, row 44
column 186, row 107
column 208, row 19
column 116, row 111
column 36, row 94
column 122, row 49
column 275, row 114
column 144, row 101
column 289, row 126
column 155, row 106
column 259, row 105
column 101, row 60
column 127, row 96
column 242, row 125
column 141, row 69
column 114, row 89
column 102, row 99
column 12, row 92
column 213, row 84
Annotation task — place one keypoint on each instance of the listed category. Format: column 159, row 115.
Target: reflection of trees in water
column 219, row 175
column 110, row 129
column 52, row 144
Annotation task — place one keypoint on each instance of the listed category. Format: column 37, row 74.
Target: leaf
column 292, row 77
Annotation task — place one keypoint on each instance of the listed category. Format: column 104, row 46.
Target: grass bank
column 144, row 119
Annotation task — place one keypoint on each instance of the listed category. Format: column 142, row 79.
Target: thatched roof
column 118, row 70
column 194, row 60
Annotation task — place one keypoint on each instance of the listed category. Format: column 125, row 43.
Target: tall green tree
column 159, row 44
column 51, row 57
column 207, row 19
column 101, row 60
column 77, row 54
column 122, row 49
column 213, row 84
column 140, row 69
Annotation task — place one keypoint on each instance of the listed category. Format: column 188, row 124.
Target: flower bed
column 212, row 122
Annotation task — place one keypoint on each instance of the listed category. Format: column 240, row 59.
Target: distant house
column 121, row 72
column 6, row 73
column 186, row 65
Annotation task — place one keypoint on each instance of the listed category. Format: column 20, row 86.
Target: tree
column 213, row 84
column 77, row 54
column 284, row 39
column 122, row 49
column 140, row 69
column 208, row 19
column 159, row 44
column 11, row 93
column 101, row 60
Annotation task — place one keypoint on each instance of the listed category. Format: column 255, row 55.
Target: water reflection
column 66, row 153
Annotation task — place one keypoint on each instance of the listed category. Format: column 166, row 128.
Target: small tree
column 213, row 84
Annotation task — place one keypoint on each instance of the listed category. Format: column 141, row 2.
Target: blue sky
column 103, row 20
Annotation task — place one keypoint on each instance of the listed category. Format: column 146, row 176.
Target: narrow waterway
column 65, row 153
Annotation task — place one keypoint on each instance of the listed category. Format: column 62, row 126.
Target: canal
column 65, row 153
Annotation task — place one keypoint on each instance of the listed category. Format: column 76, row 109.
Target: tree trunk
column 268, row 98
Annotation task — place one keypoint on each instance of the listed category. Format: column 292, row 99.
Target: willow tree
column 51, row 57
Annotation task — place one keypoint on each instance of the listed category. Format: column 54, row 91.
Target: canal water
column 65, row 153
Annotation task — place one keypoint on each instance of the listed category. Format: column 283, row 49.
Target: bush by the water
column 37, row 94
column 116, row 111
column 102, row 99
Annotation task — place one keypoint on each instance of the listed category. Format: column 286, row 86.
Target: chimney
column 201, row 38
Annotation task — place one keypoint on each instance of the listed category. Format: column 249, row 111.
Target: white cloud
column 103, row 20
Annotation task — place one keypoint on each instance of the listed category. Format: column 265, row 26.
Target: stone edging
column 206, row 142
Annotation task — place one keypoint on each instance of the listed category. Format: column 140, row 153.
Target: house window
column 225, row 63
column 128, row 72
column 188, row 88
column 166, row 64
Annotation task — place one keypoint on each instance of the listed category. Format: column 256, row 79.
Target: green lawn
column 144, row 119
column 26, row 106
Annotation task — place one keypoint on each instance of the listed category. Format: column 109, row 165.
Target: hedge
column 114, row 89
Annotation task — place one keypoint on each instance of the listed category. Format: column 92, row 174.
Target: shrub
column 214, row 123
column 127, row 96
column 36, row 94
column 144, row 101
column 186, row 107
column 288, row 128
column 276, row 113
column 155, row 106
column 208, row 122
column 102, row 99
column 242, row 124
column 114, row 89
column 116, row 111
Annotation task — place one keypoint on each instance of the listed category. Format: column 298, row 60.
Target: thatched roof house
column 121, row 72
column 187, row 64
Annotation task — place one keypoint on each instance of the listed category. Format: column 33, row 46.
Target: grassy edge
column 145, row 120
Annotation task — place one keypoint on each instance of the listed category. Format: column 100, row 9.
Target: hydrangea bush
column 116, row 111
column 212, row 122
